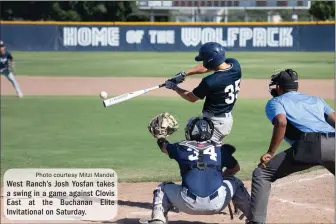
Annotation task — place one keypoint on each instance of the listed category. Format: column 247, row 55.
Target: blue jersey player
column 6, row 62
column 204, row 190
column 219, row 89
column 307, row 123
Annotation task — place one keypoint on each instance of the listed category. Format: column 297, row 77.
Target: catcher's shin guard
column 160, row 206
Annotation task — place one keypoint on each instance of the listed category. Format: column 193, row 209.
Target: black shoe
column 251, row 222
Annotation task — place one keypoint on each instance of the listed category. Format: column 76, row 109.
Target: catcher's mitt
column 162, row 125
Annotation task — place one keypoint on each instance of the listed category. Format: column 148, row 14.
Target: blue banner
column 55, row 37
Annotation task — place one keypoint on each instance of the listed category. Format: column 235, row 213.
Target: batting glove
column 170, row 84
column 179, row 77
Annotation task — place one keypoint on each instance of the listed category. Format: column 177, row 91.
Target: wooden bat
column 128, row 96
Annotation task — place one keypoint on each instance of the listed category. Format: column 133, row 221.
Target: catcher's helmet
column 287, row 79
column 199, row 129
column 212, row 54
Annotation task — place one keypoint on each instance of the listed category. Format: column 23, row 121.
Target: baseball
column 103, row 95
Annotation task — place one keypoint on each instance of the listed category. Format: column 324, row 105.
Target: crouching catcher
column 204, row 189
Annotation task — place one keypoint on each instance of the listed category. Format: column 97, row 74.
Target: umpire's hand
column 265, row 158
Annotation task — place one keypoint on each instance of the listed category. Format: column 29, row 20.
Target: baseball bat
column 128, row 96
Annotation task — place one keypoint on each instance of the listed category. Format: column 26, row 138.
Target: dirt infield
column 305, row 198
column 113, row 86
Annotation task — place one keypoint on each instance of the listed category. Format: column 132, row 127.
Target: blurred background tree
column 128, row 11
column 323, row 10
column 71, row 11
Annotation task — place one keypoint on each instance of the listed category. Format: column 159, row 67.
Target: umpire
column 307, row 123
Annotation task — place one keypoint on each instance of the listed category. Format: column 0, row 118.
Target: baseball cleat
column 143, row 221
column 153, row 221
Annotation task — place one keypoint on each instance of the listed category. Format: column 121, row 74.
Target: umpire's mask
column 199, row 129
column 286, row 79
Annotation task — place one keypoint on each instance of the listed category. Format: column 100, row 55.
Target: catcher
column 204, row 190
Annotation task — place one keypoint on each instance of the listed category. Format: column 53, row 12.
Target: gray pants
column 223, row 126
column 169, row 195
column 292, row 160
column 10, row 76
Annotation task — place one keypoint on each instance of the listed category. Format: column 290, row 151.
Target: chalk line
column 302, row 180
column 307, row 205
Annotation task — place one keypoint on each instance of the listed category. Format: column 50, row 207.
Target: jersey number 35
column 232, row 91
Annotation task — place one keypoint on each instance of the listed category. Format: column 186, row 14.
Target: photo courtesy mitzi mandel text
column 60, row 194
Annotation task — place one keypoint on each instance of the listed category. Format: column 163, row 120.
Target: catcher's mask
column 286, row 79
column 199, row 129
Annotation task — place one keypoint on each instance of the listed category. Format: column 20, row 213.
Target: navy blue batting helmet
column 212, row 54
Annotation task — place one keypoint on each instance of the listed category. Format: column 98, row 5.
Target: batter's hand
column 170, row 85
column 179, row 77
column 265, row 158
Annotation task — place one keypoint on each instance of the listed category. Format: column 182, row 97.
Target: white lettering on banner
column 91, row 36
column 84, row 36
column 113, row 36
column 69, row 36
column 191, row 36
column 98, row 36
column 258, row 36
column 286, row 37
column 162, row 36
column 270, row 37
column 195, row 36
column 245, row 35
column 134, row 36
column 232, row 36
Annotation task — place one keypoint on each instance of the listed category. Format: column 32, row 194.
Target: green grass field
column 152, row 64
column 60, row 132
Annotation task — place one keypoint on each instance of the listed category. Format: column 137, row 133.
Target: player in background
column 307, row 123
column 204, row 190
column 6, row 64
column 220, row 89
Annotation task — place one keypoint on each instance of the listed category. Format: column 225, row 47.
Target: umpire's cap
column 2, row 43
column 212, row 54
column 287, row 79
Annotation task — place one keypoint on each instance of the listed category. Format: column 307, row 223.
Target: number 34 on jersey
column 208, row 151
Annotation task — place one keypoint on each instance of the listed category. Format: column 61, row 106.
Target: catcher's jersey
column 4, row 59
column 202, row 182
column 220, row 89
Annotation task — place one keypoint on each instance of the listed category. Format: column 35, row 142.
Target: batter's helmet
column 199, row 129
column 212, row 54
column 287, row 79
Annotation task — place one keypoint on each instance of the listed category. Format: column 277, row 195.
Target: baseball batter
column 307, row 123
column 203, row 191
column 7, row 62
column 220, row 89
